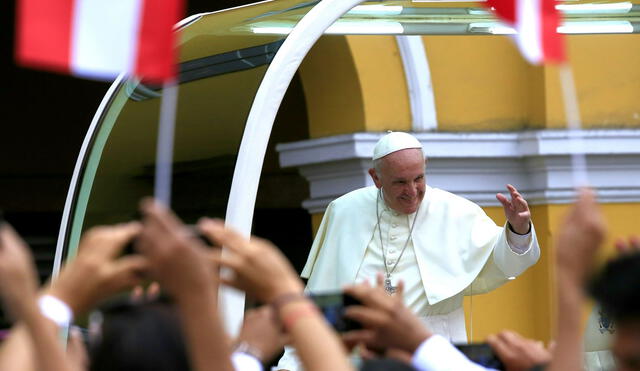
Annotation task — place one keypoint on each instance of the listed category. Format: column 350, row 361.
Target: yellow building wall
column 355, row 84
column 481, row 83
column 527, row 304
column 607, row 80
column 381, row 75
column 332, row 89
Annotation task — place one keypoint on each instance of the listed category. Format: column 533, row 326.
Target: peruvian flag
column 536, row 23
column 99, row 38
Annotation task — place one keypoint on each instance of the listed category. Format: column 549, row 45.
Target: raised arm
column 18, row 288
column 516, row 209
column 181, row 265
column 262, row 271
column 581, row 235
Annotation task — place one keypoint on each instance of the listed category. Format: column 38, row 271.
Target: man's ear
column 374, row 176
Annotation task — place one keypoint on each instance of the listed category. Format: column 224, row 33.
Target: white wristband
column 56, row 310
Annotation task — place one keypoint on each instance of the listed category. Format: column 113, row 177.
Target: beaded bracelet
column 290, row 319
column 284, row 299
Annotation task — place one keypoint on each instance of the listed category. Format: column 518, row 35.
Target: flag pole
column 574, row 124
column 164, row 149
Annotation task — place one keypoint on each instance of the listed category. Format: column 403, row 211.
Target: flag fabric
column 99, row 38
column 536, row 23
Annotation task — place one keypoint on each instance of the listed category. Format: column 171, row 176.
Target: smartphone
column 332, row 306
column 482, row 354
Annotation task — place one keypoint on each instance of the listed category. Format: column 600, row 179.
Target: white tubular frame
column 416, row 70
column 255, row 139
column 74, row 186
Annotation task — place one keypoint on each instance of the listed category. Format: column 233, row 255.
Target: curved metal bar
column 78, row 171
column 246, row 176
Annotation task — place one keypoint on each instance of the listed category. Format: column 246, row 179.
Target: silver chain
column 406, row 243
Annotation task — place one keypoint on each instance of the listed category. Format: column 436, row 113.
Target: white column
column 416, row 70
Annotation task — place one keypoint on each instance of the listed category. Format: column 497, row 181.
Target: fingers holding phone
column 518, row 353
column 387, row 322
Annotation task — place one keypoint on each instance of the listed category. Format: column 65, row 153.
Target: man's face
column 626, row 345
column 401, row 177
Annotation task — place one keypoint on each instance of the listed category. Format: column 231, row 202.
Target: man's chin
column 409, row 209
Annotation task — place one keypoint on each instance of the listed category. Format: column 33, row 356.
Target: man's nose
column 412, row 190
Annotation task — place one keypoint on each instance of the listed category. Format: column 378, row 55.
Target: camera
column 332, row 305
column 482, row 354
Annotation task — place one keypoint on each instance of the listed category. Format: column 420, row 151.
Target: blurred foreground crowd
column 157, row 309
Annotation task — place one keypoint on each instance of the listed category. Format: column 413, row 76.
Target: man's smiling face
column 401, row 177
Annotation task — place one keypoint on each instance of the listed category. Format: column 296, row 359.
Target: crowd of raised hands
column 189, row 332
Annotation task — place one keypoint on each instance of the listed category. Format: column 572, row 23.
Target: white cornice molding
column 478, row 165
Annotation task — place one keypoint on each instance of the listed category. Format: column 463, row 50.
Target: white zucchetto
column 393, row 142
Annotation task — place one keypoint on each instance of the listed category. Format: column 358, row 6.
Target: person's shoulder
column 356, row 197
column 442, row 197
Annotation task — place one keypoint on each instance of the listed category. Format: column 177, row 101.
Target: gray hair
column 376, row 165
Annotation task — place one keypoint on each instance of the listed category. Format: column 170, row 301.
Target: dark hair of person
column 617, row 288
column 140, row 337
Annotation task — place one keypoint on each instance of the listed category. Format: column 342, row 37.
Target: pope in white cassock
column 440, row 245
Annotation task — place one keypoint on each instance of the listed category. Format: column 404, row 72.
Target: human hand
column 98, row 272
column 260, row 268
column 516, row 210
column 582, row 233
column 387, row 322
column 630, row 246
column 141, row 295
column 77, row 354
column 18, row 279
column 176, row 258
column 262, row 334
column 518, row 353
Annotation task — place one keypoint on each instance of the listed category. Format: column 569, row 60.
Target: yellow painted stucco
column 607, row 81
column 332, row 89
column 482, row 84
column 479, row 83
column 381, row 75
column 527, row 304
column 355, row 83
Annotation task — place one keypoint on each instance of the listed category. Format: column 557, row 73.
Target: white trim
column 528, row 26
column 75, row 181
column 478, row 165
column 246, row 176
column 419, row 86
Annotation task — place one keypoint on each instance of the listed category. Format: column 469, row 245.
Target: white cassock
column 455, row 249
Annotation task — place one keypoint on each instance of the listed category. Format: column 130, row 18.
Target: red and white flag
column 536, row 23
column 99, row 38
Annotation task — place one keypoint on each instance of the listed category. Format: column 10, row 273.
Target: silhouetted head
column 139, row 337
column 617, row 290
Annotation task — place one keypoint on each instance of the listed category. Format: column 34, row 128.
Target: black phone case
column 482, row 354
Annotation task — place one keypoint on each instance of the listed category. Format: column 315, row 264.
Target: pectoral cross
column 388, row 287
